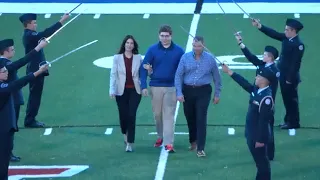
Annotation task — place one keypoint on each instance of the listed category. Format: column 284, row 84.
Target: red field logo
column 20, row 172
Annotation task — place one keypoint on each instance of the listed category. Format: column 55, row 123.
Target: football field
column 83, row 131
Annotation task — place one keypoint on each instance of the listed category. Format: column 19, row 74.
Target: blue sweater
column 164, row 63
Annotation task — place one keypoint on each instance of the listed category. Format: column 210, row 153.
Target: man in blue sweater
column 164, row 58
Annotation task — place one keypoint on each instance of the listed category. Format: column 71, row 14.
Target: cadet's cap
column 2, row 63
column 6, row 43
column 268, row 74
column 294, row 24
column 272, row 50
column 27, row 17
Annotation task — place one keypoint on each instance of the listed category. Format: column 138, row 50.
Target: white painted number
column 231, row 60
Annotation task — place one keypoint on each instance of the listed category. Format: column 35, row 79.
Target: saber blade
column 201, row 45
column 75, row 8
column 242, row 9
column 83, row 46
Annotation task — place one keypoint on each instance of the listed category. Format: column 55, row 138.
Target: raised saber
column 83, row 46
column 229, row 23
column 242, row 10
column 48, row 39
column 75, row 8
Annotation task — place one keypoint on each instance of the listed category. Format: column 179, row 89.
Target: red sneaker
column 169, row 148
column 158, row 142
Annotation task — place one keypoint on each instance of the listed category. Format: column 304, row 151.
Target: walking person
column 164, row 58
column 125, row 87
column 196, row 71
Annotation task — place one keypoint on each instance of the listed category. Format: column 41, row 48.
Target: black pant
column 197, row 100
column 128, row 105
column 261, row 159
column 5, row 146
column 17, row 111
column 271, row 146
column 35, row 94
column 291, row 102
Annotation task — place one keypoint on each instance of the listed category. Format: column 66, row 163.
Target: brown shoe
column 193, row 146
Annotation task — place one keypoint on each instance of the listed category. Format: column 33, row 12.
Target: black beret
column 268, row 74
column 6, row 43
column 272, row 50
column 294, row 24
column 27, row 17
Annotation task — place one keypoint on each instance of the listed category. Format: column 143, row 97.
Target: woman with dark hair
column 125, row 87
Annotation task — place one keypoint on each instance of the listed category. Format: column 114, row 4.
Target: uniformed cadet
column 289, row 66
column 259, row 115
column 7, row 52
column 269, row 56
column 7, row 113
column 30, row 40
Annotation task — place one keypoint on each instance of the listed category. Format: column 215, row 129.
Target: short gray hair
column 199, row 38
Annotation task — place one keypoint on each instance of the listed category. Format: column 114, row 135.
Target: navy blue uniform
column 273, row 85
column 30, row 41
column 12, row 68
column 257, row 128
column 8, row 120
column 289, row 66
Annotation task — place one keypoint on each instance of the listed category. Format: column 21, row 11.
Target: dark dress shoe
column 35, row 124
column 14, row 158
column 288, row 126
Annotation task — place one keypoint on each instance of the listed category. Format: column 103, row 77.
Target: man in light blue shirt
column 196, row 71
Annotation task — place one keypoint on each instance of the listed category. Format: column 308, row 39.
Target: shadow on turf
column 117, row 125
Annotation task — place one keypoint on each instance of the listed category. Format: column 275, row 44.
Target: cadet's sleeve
column 143, row 72
column 272, row 33
column 36, row 36
column 113, row 76
column 216, row 78
column 242, row 82
column 265, row 115
column 295, row 63
column 21, row 62
column 178, row 80
column 252, row 58
column 17, row 84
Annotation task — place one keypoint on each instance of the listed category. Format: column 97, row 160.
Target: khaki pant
column 164, row 104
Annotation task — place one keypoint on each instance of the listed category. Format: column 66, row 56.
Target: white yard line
column 47, row 132
column 164, row 154
column 108, row 131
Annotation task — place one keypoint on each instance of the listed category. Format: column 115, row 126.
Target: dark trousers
column 261, row 159
column 271, row 146
column 35, row 94
column 197, row 100
column 128, row 105
column 17, row 111
column 5, row 147
column 291, row 102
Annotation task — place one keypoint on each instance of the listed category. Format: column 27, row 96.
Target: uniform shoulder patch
column 3, row 85
column 301, row 47
column 267, row 101
column 34, row 33
column 278, row 74
column 9, row 62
